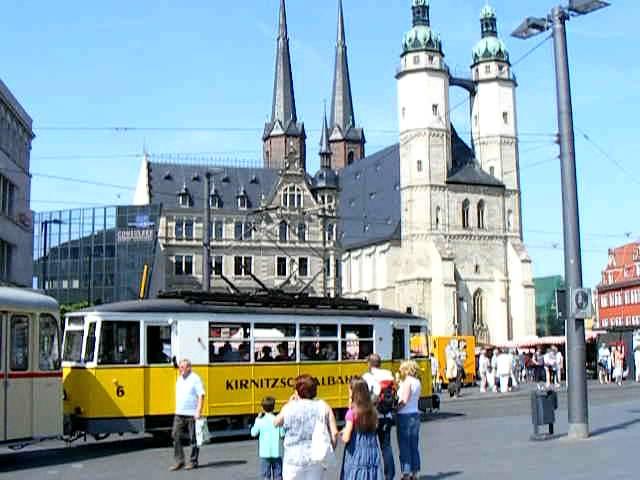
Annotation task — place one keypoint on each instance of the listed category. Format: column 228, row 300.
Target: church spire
column 283, row 135
column 341, row 101
column 284, row 102
column 325, row 149
column 347, row 141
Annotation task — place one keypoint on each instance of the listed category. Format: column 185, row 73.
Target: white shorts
column 309, row 472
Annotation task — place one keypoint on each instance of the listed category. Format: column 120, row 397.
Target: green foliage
column 72, row 307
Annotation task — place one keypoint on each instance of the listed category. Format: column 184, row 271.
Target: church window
column 416, row 60
column 465, row 214
column 476, row 74
column 480, row 330
column 477, row 269
column 283, row 232
column 509, row 220
column 292, row 197
column 487, row 69
column 505, row 117
column 481, row 209
column 350, row 158
column 437, row 218
column 419, row 165
column 501, row 68
column 434, row 109
column 492, row 171
column 431, row 59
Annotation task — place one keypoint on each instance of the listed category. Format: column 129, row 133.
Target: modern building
column 16, row 233
column 431, row 224
column 548, row 320
column 618, row 294
column 97, row 255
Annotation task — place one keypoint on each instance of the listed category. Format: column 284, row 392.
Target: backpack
column 387, row 400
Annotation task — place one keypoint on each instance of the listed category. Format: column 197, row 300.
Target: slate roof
column 369, row 208
column 166, row 180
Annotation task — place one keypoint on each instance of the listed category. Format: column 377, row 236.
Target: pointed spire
column 284, row 103
column 325, row 149
column 342, row 115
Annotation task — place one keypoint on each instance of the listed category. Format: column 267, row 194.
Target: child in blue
column 270, row 441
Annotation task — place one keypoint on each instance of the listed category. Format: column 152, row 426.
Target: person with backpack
column 361, row 454
column 382, row 389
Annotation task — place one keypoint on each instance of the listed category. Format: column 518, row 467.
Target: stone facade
column 16, row 230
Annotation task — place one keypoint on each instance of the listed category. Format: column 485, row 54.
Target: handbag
column 202, row 432
column 321, row 447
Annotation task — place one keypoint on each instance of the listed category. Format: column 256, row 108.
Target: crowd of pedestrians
column 613, row 366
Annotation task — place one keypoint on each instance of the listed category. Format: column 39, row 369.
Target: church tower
column 425, row 132
column 283, row 134
column 493, row 112
column 346, row 141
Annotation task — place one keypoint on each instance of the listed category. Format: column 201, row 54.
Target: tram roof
column 26, row 299
column 180, row 306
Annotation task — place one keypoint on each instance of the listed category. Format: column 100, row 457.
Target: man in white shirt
column 483, row 367
column 603, row 363
column 189, row 402
column 374, row 377
column 559, row 366
column 503, row 368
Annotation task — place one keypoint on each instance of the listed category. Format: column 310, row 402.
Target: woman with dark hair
column 362, row 460
column 299, row 417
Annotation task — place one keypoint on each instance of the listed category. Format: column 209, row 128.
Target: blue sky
column 200, row 65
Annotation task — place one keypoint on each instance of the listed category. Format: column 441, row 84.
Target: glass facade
column 94, row 254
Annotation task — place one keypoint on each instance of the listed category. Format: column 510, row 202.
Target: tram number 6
column 119, row 391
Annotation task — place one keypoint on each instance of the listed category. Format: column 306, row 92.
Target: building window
column 242, row 266
column 183, row 229
column 281, row 267
column 283, row 232
column 183, row 265
column 243, row 202
column 218, row 266
column 505, row 118
column 431, row 59
column 303, row 267
column 302, row 232
column 330, row 232
column 242, row 231
column 184, row 198
column 434, row 109
column 215, row 201
column 465, row 214
column 5, row 260
column 481, row 209
column 487, row 69
column 218, row 229
column 419, row 165
column 7, row 196
column 416, row 59
column 292, row 197
column 350, row 158
column 492, row 171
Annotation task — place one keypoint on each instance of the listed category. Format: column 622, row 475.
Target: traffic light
column 581, row 305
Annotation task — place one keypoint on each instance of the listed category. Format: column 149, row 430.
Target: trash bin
column 544, row 404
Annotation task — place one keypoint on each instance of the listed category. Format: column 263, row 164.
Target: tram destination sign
column 282, row 382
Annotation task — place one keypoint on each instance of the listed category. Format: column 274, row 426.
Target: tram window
column 274, row 351
column 229, row 342
column 315, row 331
column 72, row 350
column 418, row 341
column 90, row 349
column 158, row 344
column 398, row 344
column 357, row 341
column 19, row 353
column 49, row 354
column 119, row 343
column 314, row 351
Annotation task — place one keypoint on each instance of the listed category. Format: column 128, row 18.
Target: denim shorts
column 271, row 468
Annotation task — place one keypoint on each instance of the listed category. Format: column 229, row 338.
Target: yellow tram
column 119, row 359
column 30, row 375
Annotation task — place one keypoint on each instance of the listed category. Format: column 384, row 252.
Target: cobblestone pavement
column 476, row 436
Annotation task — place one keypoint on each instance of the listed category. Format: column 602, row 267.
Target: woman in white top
column 299, row 417
column 408, row 420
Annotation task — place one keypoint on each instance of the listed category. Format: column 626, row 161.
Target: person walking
column 559, row 366
column 189, row 402
column 636, row 362
column 408, row 418
column 361, row 459
column 515, row 368
column 618, row 364
column 503, row 371
column 299, row 417
column 435, row 373
column 374, row 379
column 483, row 366
column 494, row 369
column 269, row 441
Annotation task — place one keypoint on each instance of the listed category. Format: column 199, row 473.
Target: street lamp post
column 576, row 348
column 45, row 255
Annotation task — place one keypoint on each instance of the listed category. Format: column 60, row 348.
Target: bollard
column 544, row 403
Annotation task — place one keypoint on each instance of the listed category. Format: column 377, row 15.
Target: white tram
column 30, row 374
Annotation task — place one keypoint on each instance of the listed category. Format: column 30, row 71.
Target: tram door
column 3, row 379
column 18, row 381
